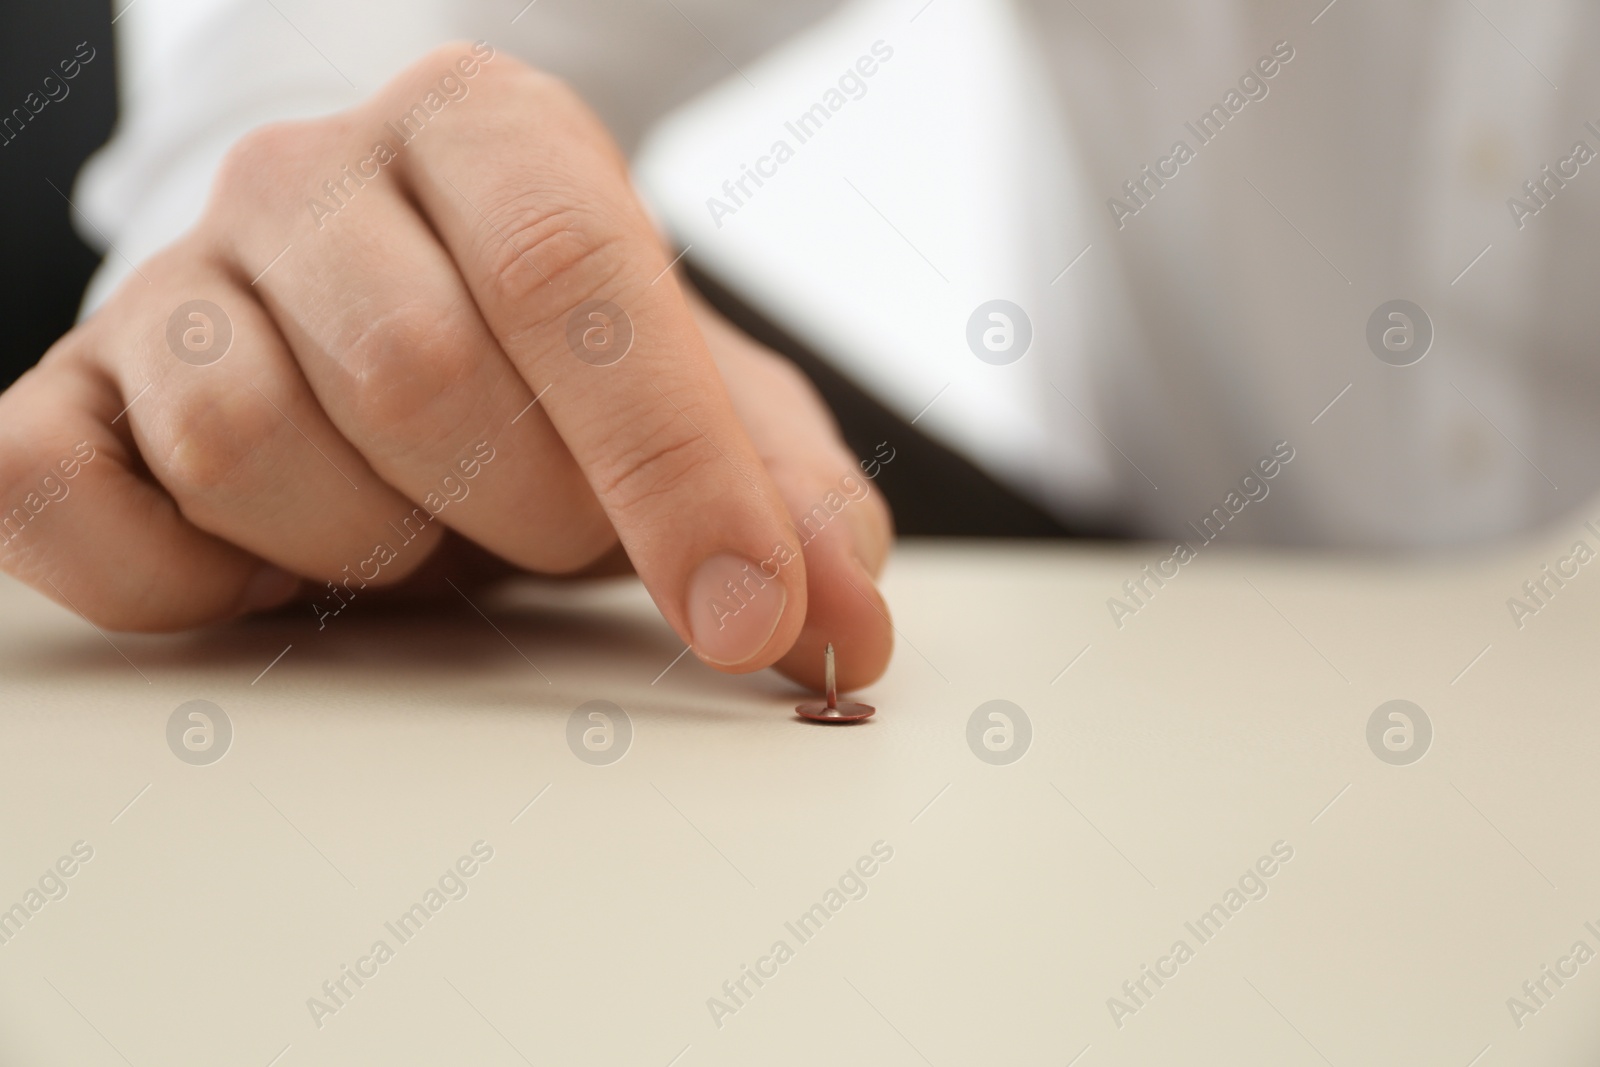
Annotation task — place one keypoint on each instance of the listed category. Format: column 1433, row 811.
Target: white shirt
column 1222, row 311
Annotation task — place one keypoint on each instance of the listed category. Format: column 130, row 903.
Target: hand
column 423, row 357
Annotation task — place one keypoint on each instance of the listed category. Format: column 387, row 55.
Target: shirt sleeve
column 198, row 74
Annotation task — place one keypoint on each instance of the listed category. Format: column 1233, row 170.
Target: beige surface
column 1223, row 718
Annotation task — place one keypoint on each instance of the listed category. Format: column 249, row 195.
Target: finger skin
column 713, row 488
column 391, row 343
column 106, row 542
column 841, row 520
column 241, row 444
column 534, row 203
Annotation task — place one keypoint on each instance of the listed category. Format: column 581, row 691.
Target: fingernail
column 268, row 588
column 733, row 609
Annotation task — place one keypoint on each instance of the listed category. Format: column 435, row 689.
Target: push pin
column 833, row 710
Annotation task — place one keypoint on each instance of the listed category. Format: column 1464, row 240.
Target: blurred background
column 45, row 265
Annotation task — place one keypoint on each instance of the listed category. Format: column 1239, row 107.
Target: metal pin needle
column 832, row 710
column 830, row 684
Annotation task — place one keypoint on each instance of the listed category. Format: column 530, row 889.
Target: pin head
column 832, row 710
column 845, row 711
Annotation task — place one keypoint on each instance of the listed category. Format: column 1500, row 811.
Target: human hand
column 400, row 300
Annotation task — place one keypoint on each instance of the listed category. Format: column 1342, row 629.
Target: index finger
column 533, row 201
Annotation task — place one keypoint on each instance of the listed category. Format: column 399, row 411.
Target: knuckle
column 509, row 77
column 660, row 464
column 403, row 370
column 551, row 258
column 254, row 169
column 559, row 101
column 459, row 69
column 204, row 448
column 461, row 58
